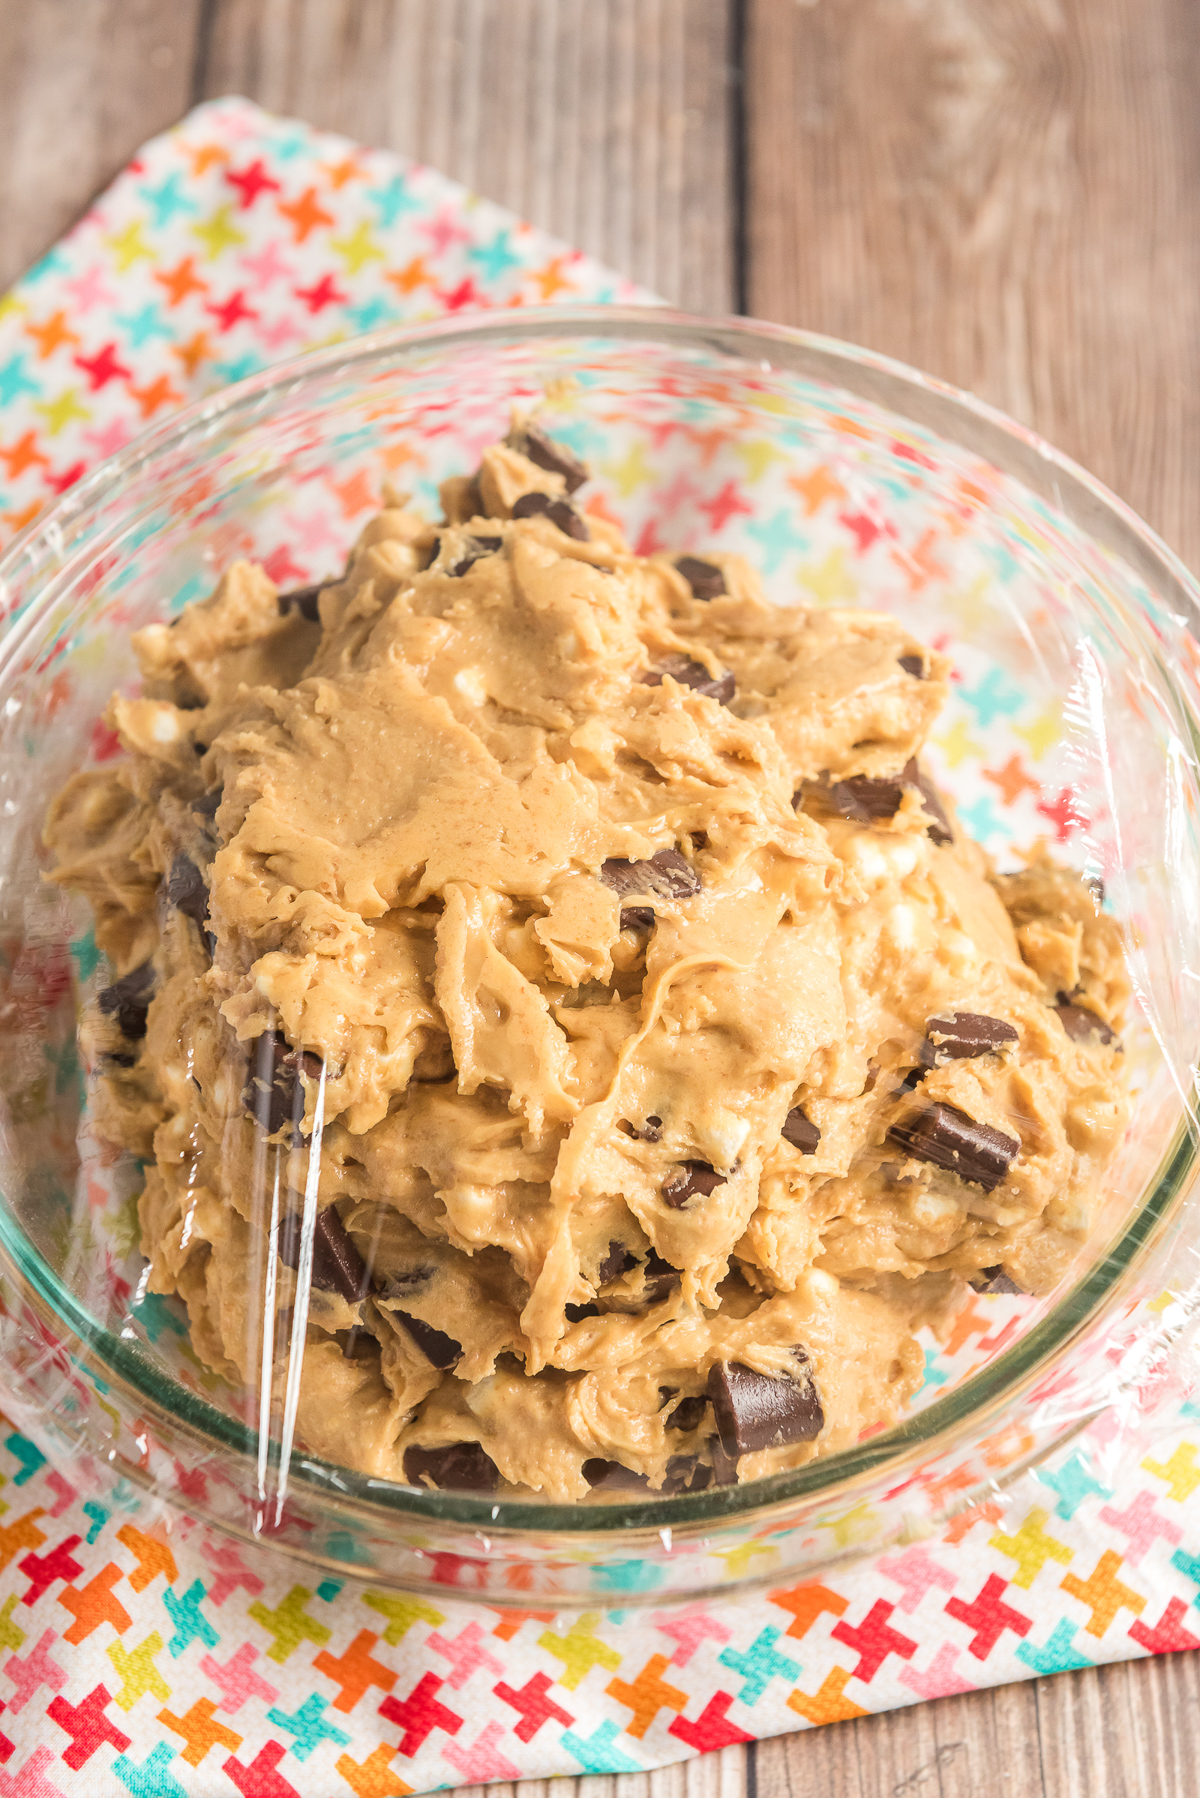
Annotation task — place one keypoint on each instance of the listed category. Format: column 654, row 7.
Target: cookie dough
column 552, row 1001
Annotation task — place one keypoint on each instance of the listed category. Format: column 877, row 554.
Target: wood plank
column 82, row 84
column 1006, row 193
column 606, row 121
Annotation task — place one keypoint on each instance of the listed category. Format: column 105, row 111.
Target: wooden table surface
column 1004, row 192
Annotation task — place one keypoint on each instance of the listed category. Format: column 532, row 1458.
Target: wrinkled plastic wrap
column 1072, row 718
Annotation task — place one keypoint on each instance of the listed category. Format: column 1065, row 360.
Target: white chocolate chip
column 471, row 684
column 164, row 727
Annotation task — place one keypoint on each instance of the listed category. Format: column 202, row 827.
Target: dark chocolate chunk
column 560, row 512
column 651, row 1130
column 477, row 548
column 451, row 1467
column 186, row 890
column 577, row 1314
column 939, row 828
column 962, row 1037
column 695, row 675
column 993, row 1279
column 546, row 452
column 128, row 1000
column 704, row 578
column 613, row 1476
column 358, row 1344
column 800, row 1131
column 688, row 1413
column 274, row 1094
column 725, row 1467
column 618, row 1261
column 1080, row 1023
column 913, row 1079
column 407, row 1280
column 686, row 1473
column 914, row 665
column 753, row 1411
column 303, row 600
column 337, row 1265
column 434, row 1344
column 948, row 1138
column 666, row 875
column 865, row 798
column 206, row 806
column 660, row 1277
column 694, row 1178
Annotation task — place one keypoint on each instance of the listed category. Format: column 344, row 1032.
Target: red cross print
column 534, row 1706
column 420, row 1713
column 103, row 367
column 42, row 1570
column 988, row 1617
column 321, row 294
column 873, row 1640
column 230, row 312
column 1168, row 1634
column 252, row 181
column 87, row 1726
column 259, row 1779
column 712, row 1728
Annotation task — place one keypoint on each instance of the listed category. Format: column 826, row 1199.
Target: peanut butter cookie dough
column 552, row 1000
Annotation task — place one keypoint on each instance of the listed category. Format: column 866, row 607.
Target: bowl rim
column 918, row 398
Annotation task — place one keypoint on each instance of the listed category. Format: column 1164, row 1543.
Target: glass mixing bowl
column 846, row 479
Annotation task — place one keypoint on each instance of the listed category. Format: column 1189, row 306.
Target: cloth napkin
column 142, row 1652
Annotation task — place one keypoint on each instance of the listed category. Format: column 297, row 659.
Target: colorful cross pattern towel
column 142, row 1653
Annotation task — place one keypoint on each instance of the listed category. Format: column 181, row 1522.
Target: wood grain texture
column 1006, row 193
column 82, row 84
column 607, row 123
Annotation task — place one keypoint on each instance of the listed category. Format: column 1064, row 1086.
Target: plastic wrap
column 844, row 481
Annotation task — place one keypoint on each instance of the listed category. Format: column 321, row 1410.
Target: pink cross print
column 267, row 265
column 939, row 1679
column 465, row 1654
column 690, row 1628
column 231, row 1572
column 90, row 289
column 1143, row 1525
column 916, row 1571
column 237, row 1681
column 34, row 1672
column 443, row 230
column 482, row 1761
column 28, row 1782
